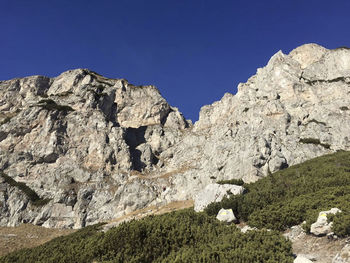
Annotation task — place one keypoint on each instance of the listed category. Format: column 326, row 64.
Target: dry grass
column 174, row 172
column 26, row 236
column 151, row 210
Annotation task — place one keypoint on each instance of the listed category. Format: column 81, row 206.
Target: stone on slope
column 321, row 227
column 302, row 259
column 226, row 215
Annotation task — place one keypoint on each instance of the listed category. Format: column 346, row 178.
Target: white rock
column 215, row 193
column 226, row 215
column 321, row 226
column 245, row 229
column 302, row 259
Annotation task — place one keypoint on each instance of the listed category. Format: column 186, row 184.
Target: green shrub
column 231, row 181
column 31, row 194
column 181, row 236
column 298, row 193
column 49, row 104
column 314, row 141
column 6, row 120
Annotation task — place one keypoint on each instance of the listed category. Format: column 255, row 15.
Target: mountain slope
column 98, row 148
column 278, row 201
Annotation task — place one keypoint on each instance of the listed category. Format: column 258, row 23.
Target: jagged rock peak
column 307, row 54
column 98, row 148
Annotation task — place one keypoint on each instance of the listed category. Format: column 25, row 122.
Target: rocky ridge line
column 99, row 148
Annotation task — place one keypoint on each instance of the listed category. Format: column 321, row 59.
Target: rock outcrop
column 301, row 259
column 98, row 148
column 213, row 193
column 322, row 227
column 226, row 215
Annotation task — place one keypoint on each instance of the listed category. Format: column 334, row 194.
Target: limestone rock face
column 99, row 148
column 215, row 193
column 82, row 141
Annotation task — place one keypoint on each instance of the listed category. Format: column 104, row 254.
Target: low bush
column 181, row 236
column 49, row 104
column 231, row 181
column 6, row 120
column 298, row 193
column 30, row 193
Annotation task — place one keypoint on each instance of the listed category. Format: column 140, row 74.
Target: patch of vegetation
column 64, row 94
column 298, row 193
column 98, row 93
column 314, row 141
column 231, row 181
column 49, row 104
column 181, row 236
column 8, row 116
column 30, row 193
column 342, row 47
column 341, row 224
column 344, row 108
column 6, row 120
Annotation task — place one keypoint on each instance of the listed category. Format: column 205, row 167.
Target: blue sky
column 192, row 50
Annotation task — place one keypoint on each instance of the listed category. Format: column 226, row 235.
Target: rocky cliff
column 95, row 148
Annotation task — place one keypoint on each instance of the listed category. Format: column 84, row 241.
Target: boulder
column 247, row 228
column 302, row 259
column 321, row 227
column 226, row 215
column 294, row 233
column 215, row 193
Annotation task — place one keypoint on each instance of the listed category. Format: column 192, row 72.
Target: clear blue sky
column 192, row 50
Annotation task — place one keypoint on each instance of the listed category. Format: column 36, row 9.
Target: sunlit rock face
column 99, row 148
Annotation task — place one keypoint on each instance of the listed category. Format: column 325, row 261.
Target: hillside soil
column 26, row 236
column 317, row 249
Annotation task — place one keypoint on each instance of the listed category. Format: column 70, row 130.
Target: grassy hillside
column 299, row 193
column 276, row 202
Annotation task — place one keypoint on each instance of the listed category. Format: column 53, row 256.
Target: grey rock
column 226, row 215
column 295, row 233
column 247, row 228
column 302, row 259
column 215, row 193
column 99, row 147
column 321, row 227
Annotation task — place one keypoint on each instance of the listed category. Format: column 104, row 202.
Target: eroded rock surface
column 213, row 193
column 99, row 148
